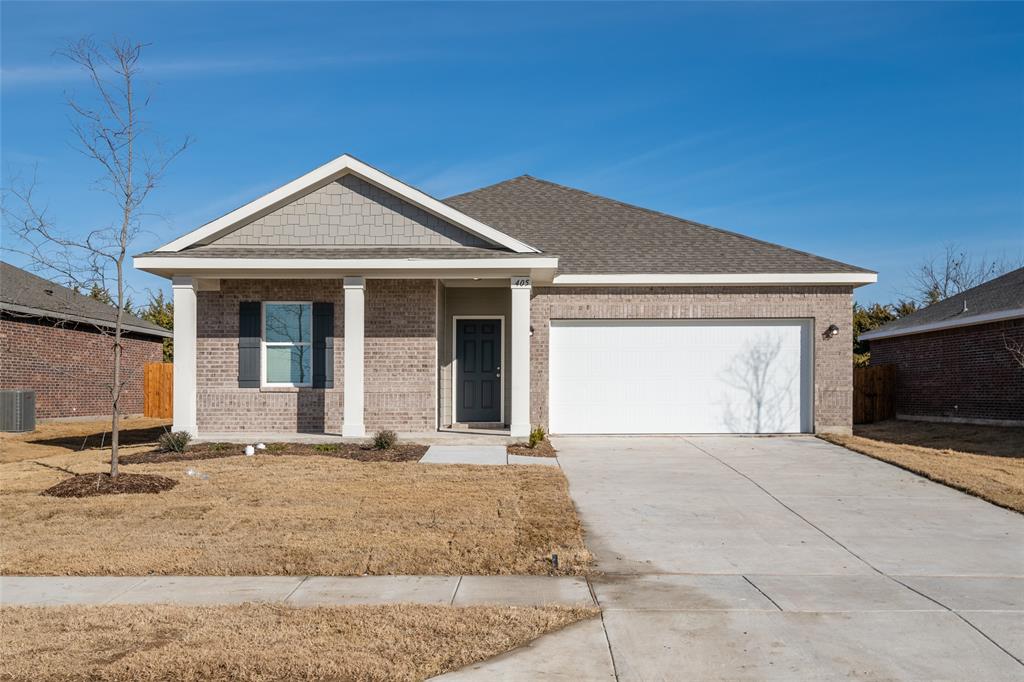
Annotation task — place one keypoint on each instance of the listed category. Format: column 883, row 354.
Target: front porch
column 444, row 359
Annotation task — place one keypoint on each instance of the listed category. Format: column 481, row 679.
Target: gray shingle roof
column 25, row 293
column 592, row 234
column 1004, row 293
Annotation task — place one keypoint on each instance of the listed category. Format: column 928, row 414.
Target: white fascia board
column 1012, row 314
column 724, row 279
column 220, row 265
column 330, row 171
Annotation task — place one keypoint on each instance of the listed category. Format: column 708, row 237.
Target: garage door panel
column 643, row 376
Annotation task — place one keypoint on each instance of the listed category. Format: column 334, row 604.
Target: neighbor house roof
column 24, row 293
column 999, row 299
column 596, row 235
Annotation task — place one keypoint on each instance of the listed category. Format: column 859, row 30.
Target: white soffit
column 329, row 172
column 725, row 279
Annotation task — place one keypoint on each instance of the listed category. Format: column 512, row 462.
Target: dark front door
column 478, row 370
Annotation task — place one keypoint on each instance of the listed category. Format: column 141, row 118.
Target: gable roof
column 999, row 299
column 327, row 173
column 24, row 293
column 600, row 236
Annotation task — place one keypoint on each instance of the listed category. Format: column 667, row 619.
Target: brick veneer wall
column 963, row 373
column 70, row 366
column 833, row 362
column 220, row 404
column 399, row 356
column 400, row 360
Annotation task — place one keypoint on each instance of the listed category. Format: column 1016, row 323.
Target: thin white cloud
column 45, row 74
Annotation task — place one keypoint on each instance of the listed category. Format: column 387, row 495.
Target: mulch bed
column 89, row 485
column 360, row 452
column 542, row 449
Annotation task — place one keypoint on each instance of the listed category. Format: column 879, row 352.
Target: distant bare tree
column 1015, row 347
column 110, row 130
column 952, row 272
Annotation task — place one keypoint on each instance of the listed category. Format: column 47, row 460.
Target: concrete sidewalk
column 294, row 590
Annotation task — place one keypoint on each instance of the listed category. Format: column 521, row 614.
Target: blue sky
column 870, row 133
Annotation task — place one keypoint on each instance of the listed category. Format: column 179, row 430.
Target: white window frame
column 276, row 344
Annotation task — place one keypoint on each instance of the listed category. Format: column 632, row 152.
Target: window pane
column 288, row 364
column 288, row 322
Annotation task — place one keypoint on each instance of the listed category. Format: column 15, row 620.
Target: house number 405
column 521, row 282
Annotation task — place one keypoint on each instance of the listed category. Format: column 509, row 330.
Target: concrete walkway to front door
column 730, row 558
column 479, row 454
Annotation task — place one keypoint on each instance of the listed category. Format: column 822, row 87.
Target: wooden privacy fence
column 158, row 390
column 873, row 390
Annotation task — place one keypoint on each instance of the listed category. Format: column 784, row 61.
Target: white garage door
column 680, row 376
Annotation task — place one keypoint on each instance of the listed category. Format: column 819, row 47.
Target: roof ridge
column 493, row 184
column 652, row 211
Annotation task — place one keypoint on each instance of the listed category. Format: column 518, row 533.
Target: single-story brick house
column 348, row 301
column 955, row 359
column 59, row 343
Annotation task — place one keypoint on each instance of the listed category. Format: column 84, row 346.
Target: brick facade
column 833, row 362
column 70, row 366
column 401, row 351
column 965, row 373
column 400, row 360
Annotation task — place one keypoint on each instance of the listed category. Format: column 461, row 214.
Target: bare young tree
column 1015, row 347
column 952, row 272
column 109, row 128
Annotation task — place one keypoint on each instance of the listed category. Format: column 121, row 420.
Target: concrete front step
column 294, row 590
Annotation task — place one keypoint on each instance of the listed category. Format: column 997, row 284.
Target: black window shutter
column 323, row 345
column 249, row 344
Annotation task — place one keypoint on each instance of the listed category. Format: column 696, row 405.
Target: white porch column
column 520, row 417
column 184, row 290
column 355, row 294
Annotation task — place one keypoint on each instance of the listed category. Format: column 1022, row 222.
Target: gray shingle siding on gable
column 350, row 212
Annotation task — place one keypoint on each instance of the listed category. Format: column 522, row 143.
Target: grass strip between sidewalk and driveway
column 264, row 642
column 293, row 515
column 984, row 461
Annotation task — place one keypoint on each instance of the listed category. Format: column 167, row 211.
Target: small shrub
column 326, row 447
column 175, row 441
column 385, row 440
column 537, row 436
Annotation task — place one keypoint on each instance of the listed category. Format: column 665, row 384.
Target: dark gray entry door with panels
column 478, row 370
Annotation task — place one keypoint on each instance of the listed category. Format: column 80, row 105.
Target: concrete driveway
column 790, row 558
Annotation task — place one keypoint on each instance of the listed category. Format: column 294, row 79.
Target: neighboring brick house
column 955, row 359
column 59, row 344
column 347, row 301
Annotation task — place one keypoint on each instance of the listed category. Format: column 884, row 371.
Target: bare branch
column 112, row 132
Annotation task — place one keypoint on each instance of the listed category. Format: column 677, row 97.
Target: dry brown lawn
column 58, row 437
column 263, row 642
column 284, row 515
column 986, row 461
